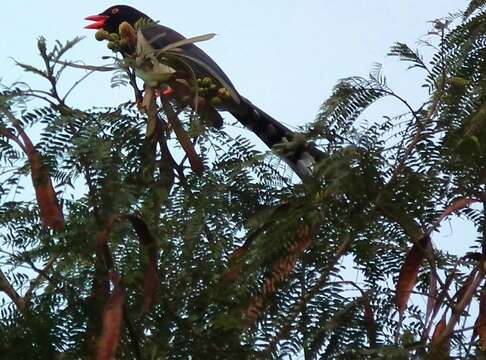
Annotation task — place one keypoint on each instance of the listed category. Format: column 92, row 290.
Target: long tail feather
column 299, row 154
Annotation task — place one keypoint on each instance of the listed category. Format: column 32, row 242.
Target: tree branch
column 8, row 289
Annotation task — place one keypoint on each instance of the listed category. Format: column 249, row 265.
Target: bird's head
column 111, row 18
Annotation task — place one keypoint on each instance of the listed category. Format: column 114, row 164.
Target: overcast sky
column 285, row 55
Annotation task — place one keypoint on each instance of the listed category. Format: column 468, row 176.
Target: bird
column 292, row 147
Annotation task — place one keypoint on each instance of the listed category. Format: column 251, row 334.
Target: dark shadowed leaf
column 370, row 323
column 464, row 288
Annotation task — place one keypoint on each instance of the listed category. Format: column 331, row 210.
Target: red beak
column 99, row 21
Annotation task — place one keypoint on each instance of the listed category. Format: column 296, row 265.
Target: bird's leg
column 166, row 91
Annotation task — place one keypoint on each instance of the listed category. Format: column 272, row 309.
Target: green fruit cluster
column 112, row 38
column 212, row 91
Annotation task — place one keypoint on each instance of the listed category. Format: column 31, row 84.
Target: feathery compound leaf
column 61, row 49
column 31, row 69
column 120, row 78
column 405, row 54
column 473, row 6
column 351, row 96
column 144, row 23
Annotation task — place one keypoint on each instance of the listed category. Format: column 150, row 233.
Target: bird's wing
column 160, row 36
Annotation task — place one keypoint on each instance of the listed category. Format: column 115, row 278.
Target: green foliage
column 380, row 189
column 473, row 6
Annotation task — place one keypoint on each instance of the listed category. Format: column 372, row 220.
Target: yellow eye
column 115, row 11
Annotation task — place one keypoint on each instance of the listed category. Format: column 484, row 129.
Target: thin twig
column 76, row 84
column 42, row 274
column 459, row 308
column 88, row 67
